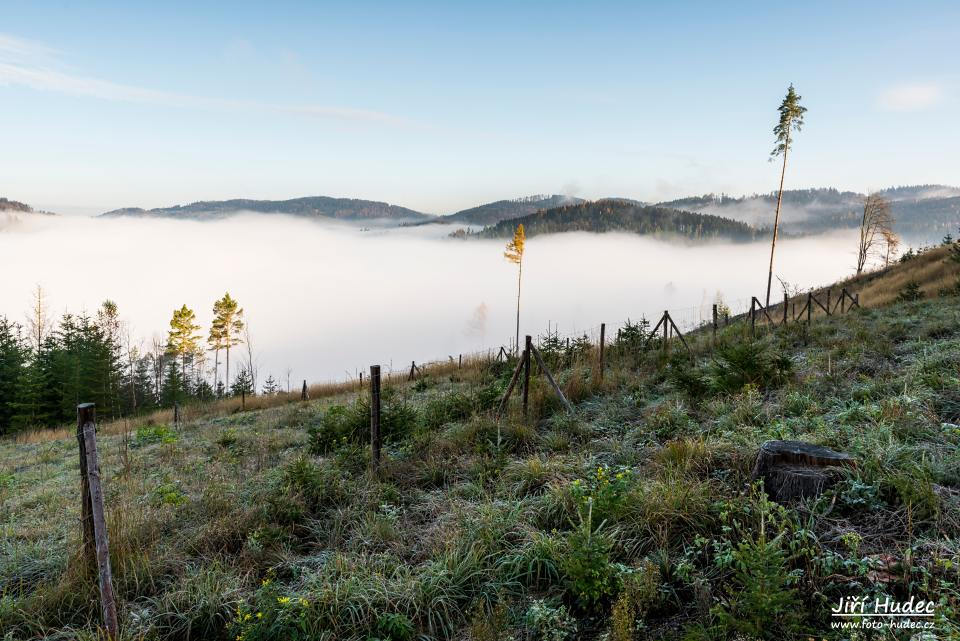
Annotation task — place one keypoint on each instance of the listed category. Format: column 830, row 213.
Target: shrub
column 546, row 622
column 351, row 423
column 602, row 493
column 761, row 601
column 910, row 292
column 447, row 408
column 588, row 575
column 740, row 364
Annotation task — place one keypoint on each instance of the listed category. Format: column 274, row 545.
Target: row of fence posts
column 829, row 308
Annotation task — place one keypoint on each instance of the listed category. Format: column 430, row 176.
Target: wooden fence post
column 786, row 303
column 413, row 369
column 753, row 316
column 460, row 365
column 843, row 302
column 526, row 374
column 603, row 335
column 361, row 380
column 714, row 322
column 305, row 395
column 666, row 334
column 809, row 307
column 95, row 524
column 828, row 302
column 176, row 415
column 375, row 418
column 553, row 383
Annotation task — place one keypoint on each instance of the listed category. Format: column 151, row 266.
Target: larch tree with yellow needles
column 514, row 253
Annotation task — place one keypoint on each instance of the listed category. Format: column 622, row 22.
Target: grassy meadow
column 634, row 517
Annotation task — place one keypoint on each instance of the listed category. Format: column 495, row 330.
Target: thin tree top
column 791, row 119
column 514, row 251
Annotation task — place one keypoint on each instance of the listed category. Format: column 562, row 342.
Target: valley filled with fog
column 325, row 300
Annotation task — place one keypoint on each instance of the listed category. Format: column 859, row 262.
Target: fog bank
column 326, row 300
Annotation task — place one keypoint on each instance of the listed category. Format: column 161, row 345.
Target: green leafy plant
column 546, row 622
column 149, row 434
column 588, row 575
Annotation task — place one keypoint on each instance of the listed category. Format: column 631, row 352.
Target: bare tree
column 877, row 221
column 39, row 320
column 251, row 361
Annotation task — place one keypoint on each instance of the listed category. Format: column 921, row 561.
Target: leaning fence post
column 87, row 433
column 828, row 302
column 603, row 334
column 85, row 413
column 753, row 316
column 375, row 418
column 526, row 373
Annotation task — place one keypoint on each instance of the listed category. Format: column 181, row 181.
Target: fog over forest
column 326, row 300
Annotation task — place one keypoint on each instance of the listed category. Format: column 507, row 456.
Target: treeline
column 49, row 366
column 621, row 215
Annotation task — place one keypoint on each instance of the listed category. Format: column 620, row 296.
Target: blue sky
column 440, row 106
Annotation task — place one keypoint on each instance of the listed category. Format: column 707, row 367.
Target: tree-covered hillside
column 493, row 213
column 626, row 216
column 922, row 213
column 310, row 207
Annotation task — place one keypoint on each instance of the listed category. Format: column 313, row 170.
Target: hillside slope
column 634, row 512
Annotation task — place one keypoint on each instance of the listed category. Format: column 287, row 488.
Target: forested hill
column 308, row 207
column 12, row 205
column 493, row 213
column 625, row 216
column 922, row 213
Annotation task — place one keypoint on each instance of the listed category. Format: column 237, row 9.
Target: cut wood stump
column 795, row 469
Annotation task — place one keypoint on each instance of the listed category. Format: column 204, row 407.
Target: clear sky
column 440, row 105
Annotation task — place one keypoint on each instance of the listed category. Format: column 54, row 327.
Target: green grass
column 634, row 517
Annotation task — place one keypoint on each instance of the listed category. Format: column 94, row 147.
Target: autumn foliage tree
column 514, row 253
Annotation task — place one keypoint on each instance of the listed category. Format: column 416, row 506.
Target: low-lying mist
column 327, row 300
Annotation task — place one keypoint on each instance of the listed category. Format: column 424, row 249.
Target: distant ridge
column 307, row 207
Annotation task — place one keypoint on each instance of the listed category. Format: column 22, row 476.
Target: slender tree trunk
column 862, row 250
column 227, row 382
column 776, row 219
column 216, row 369
column 519, row 276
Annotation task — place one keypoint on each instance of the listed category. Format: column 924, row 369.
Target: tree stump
column 794, row 469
